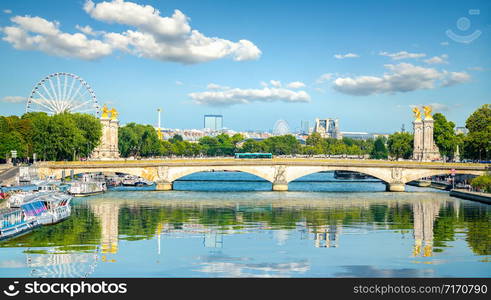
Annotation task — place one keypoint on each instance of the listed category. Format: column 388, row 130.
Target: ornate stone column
column 108, row 147
column 430, row 150
column 428, row 125
column 418, row 139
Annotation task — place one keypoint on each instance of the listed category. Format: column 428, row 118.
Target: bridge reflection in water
column 90, row 242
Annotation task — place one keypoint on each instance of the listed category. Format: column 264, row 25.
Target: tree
column 253, row 146
column 209, row 145
column 15, row 134
column 40, row 135
column 139, row 140
column 236, row 138
column 282, row 145
column 315, row 144
column 314, row 139
column 379, row 150
column 12, row 141
column 65, row 138
column 482, row 182
column 444, row 136
column 128, row 140
column 400, row 145
column 166, row 148
column 91, row 130
column 149, row 141
column 477, row 144
column 176, row 138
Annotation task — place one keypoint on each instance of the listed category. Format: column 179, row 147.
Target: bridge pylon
column 163, row 186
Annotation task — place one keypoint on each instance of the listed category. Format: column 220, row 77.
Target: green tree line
column 64, row 136
column 68, row 136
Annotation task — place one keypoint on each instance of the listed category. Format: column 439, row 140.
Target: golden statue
column 104, row 111
column 427, row 110
column 114, row 113
column 417, row 114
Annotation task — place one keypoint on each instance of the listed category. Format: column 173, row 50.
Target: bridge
column 278, row 171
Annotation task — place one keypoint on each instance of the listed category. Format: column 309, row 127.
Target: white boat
column 130, row 180
column 15, row 222
column 58, row 208
column 88, row 185
column 50, row 204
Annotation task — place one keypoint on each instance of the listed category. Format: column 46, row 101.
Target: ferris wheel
column 60, row 92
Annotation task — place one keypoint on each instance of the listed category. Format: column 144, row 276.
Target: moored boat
column 87, row 186
column 350, row 175
column 51, row 206
column 15, row 222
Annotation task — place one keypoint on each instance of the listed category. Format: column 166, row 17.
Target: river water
column 206, row 228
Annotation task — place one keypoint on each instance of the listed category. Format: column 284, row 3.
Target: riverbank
column 476, row 196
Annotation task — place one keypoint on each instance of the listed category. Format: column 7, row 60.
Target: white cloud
column 222, row 96
column 178, row 82
column 402, row 77
column 347, row 55
column 14, row 99
column 7, row 11
column 475, row 68
column 402, row 55
column 165, row 38
column 442, row 59
column 444, row 43
column 88, row 30
column 144, row 17
column 214, row 86
column 324, row 77
column 275, row 83
column 35, row 33
column 152, row 36
column 453, row 78
column 296, row 85
column 437, row 107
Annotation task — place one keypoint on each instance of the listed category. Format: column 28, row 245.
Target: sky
column 255, row 62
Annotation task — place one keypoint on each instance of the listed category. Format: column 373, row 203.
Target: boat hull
column 17, row 231
column 86, row 194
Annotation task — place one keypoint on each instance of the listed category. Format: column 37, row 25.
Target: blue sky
column 364, row 62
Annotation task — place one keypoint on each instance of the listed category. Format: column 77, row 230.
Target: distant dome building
column 281, row 127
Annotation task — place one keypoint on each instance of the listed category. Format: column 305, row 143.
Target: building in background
column 304, row 127
column 213, row 122
column 328, row 128
column 377, row 135
column 357, row 135
column 459, row 130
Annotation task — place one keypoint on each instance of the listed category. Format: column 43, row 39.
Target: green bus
column 254, row 155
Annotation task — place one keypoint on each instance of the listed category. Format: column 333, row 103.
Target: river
column 239, row 228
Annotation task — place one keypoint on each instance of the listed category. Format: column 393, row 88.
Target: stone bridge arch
column 418, row 174
column 264, row 172
column 58, row 172
column 298, row 172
